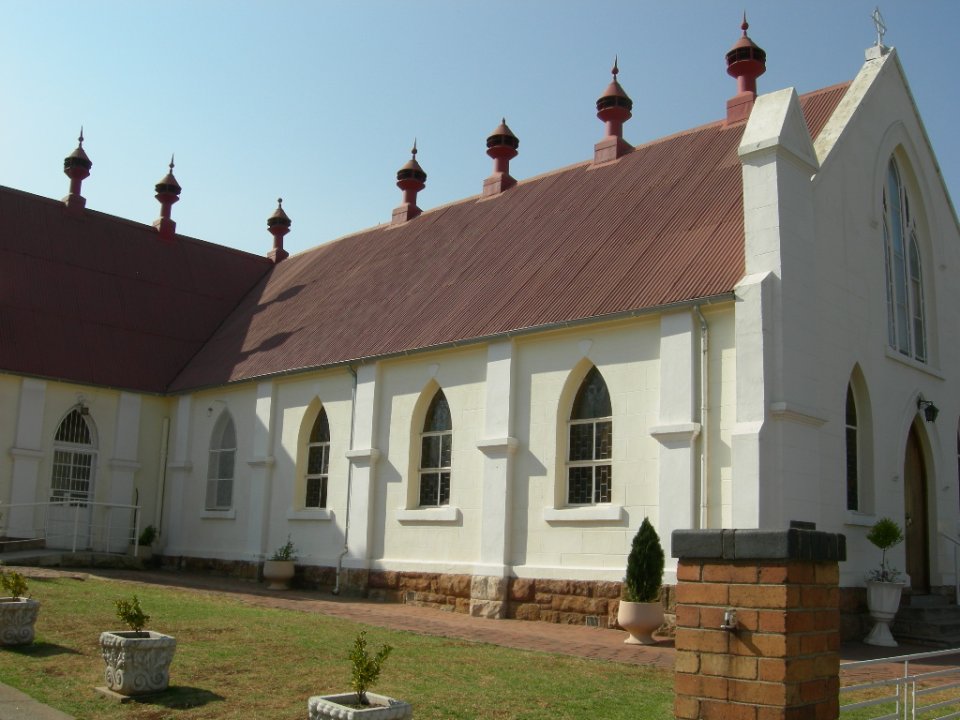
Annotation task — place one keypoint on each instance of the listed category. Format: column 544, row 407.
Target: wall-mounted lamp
column 930, row 411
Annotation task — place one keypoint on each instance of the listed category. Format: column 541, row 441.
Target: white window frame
column 594, row 463
column 855, row 428
column 440, row 469
column 74, row 448
column 906, row 316
column 214, row 463
column 323, row 476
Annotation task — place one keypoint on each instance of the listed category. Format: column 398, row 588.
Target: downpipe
column 346, row 521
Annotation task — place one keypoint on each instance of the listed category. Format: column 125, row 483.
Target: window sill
column 587, row 513
column 431, row 515
column 316, row 514
column 915, row 364
column 859, row 518
column 218, row 514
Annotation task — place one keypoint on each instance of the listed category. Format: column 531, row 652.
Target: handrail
column 78, row 504
column 906, row 687
column 956, row 564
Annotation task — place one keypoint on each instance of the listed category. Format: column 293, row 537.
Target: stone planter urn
column 344, row 707
column 640, row 620
column 883, row 601
column 17, row 618
column 278, row 574
column 138, row 663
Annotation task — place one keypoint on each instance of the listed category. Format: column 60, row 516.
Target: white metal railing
column 73, row 524
column 956, row 564
column 907, row 691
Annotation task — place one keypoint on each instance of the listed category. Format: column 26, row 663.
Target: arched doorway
column 916, row 514
column 68, row 522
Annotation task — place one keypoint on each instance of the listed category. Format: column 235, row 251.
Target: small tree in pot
column 883, row 584
column 640, row 611
column 365, row 671
column 18, row 612
column 138, row 660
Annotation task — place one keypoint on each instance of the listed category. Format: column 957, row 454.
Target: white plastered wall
column 855, row 151
column 445, row 539
column 815, row 292
column 128, row 430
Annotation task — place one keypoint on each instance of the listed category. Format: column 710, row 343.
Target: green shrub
column 365, row 669
column 885, row 533
column 287, row 551
column 131, row 614
column 644, row 566
column 13, row 583
column 147, row 537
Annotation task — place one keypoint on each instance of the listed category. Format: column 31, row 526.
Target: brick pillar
column 781, row 659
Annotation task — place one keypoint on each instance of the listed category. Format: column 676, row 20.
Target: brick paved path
column 576, row 640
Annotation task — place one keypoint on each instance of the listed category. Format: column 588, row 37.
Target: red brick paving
column 575, row 640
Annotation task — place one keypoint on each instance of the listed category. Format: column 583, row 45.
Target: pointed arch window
column 590, row 447
column 852, row 452
column 74, row 455
column 906, row 323
column 436, row 444
column 318, row 462
column 220, row 467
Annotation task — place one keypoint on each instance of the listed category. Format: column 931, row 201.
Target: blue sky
column 319, row 102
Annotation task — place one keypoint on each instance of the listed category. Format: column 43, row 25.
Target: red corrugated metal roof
column 100, row 300
column 663, row 224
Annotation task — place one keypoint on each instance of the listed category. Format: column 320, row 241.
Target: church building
column 475, row 406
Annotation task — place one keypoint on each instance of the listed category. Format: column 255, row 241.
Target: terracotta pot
column 278, row 574
column 640, row 620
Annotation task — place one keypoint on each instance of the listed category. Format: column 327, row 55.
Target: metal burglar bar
column 911, row 695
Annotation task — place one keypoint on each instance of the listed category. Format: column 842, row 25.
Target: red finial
column 614, row 108
column 76, row 166
column 168, row 192
column 278, row 225
column 411, row 179
column 744, row 25
column 746, row 61
column 502, row 146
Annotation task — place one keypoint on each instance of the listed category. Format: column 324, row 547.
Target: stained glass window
column 435, row 453
column 590, row 447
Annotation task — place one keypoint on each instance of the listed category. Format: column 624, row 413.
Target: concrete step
column 67, row 559
column 8, row 545
column 928, row 620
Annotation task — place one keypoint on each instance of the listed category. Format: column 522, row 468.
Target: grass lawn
column 238, row 661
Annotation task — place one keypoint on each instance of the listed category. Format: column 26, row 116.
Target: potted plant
column 278, row 570
column 138, row 660
column 144, row 547
column 640, row 611
column 883, row 584
column 365, row 671
column 18, row 612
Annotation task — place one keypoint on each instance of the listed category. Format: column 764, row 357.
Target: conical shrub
column 644, row 566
